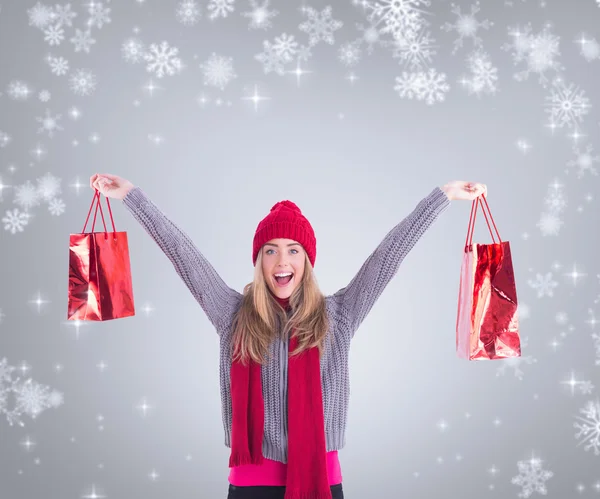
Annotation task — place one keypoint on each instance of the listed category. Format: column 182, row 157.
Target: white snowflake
column 319, row 26
column 15, row 221
column 371, row 36
column 58, row 65
column 549, row 224
column 48, row 187
column 218, row 71
column 415, row 53
column 44, row 95
column 285, row 46
column 133, row 50
column 82, row 82
column 484, row 74
column 403, row 19
column 83, row 40
column 531, row 478
column 350, row 53
column 162, row 60
column 555, row 199
column 19, row 90
column 49, row 123
column 260, row 15
column 63, row 15
column 540, row 53
column 589, row 427
column 466, row 26
column 40, row 15
column 584, row 161
column 566, row 104
column 270, row 59
column 596, row 338
column 429, row 86
column 54, row 35
column 99, row 15
column 220, row 8
column 31, row 398
column 188, row 12
column 26, row 195
column 543, row 284
column 56, row 206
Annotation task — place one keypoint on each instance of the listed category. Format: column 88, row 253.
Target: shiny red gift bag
column 100, row 286
column 487, row 325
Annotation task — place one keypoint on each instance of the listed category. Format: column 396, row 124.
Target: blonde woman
column 284, row 345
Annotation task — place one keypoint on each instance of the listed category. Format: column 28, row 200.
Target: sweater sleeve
column 216, row 298
column 359, row 296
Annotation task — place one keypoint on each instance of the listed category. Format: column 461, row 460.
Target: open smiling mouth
column 282, row 282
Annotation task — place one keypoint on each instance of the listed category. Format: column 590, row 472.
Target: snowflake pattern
column 543, row 284
column 188, row 12
column 415, row 53
column 429, row 86
column 58, row 65
column 584, row 161
column 83, row 40
column 484, row 75
column 566, row 105
column 403, row 19
column 466, row 26
column 220, row 8
column 15, row 221
column 49, row 123
column 162, row 60
column 260, row 15
column 82, row 82
column 319, row 26
column 132, row 50
column 218, row 71
column 531, row 478
column 30, row 398
column 540, row 53
column 589, row 427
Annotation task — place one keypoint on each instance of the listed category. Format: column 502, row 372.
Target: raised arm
column 359, row 296
column 214, row 296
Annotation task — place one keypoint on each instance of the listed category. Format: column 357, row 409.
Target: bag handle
column 98, row 205
column 471, row 228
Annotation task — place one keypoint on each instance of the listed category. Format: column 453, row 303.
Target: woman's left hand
column 460, row 189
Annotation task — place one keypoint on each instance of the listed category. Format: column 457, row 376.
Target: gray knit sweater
column 346, row 309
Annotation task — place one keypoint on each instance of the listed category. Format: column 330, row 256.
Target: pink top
column 275, row 473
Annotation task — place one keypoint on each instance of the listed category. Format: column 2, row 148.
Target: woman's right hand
column 111, row 186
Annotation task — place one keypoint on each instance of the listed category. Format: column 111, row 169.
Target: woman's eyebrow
column 277, row 246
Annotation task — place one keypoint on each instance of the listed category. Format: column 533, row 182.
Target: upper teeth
column 283, row 274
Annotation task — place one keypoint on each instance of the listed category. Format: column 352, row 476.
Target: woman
column 284, row 345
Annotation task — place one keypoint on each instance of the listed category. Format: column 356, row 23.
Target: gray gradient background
column 356, row 159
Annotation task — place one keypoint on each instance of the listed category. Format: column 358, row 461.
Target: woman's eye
column 267, row 252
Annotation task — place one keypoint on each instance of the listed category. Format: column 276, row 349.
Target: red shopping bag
column 487, row 325
column 100, row 285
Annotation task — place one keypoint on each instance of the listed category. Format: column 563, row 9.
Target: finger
column 92, row 179
column 110, row 176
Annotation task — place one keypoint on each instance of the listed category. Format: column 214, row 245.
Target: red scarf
column 306, row 470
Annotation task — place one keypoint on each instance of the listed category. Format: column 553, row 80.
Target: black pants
column 271, row 492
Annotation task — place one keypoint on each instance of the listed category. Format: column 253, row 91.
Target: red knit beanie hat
column 285, row 220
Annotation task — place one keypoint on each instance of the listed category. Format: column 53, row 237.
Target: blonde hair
column 255, row 323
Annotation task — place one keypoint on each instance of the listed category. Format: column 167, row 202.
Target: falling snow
column 218, row 71
column 319, row 26
column 260, row 15
column 466, row 26
column 162, row 60
column 589, row 427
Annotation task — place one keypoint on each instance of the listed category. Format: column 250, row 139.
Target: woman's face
column 282, row 256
